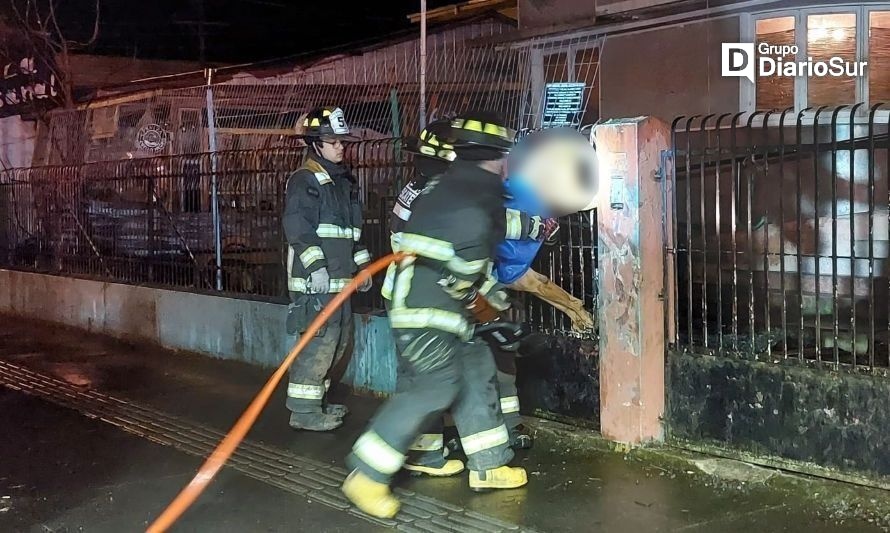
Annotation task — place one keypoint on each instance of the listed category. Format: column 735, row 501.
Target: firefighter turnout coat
column 323, row 225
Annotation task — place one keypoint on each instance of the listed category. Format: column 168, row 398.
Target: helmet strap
column 316, row 146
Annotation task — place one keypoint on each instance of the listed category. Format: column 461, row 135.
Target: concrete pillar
column 631, row 281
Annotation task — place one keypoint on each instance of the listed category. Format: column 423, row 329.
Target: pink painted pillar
column 630, row 213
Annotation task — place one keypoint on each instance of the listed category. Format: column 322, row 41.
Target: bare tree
column 37, row 22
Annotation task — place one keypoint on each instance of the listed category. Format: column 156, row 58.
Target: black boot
column 336, row 409
column 315, row 421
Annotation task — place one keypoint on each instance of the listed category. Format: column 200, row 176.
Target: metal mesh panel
column 781, row 236
column 377, row 89
column 150, row 220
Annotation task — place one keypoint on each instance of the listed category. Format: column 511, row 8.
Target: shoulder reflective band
column 330, row 231
column 361, row 257
column 376, row 453
column 510, row 404
column 311, row 255
column 514, row 225
column 428, row 442
column 485, row 440
column 299, row 391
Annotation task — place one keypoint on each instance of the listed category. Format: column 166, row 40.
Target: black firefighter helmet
column 326, row 123
column 432, row 155
column 480, row 135
column 430, row 143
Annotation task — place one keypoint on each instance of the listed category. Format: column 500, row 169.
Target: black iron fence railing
column 152, row 221
column 781, row 230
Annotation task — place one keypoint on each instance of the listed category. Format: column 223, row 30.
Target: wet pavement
column 99, row 435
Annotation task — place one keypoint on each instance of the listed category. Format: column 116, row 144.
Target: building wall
column 668, row 72
column 17, row 140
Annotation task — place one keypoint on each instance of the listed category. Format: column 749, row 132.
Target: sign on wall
column 563, row 105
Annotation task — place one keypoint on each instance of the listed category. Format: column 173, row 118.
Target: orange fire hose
column 227, row 446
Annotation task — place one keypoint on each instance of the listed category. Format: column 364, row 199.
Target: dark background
column 234, row 30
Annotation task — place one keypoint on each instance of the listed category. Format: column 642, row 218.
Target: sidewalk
column 102, row 434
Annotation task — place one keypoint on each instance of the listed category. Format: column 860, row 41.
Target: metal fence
column 255, row 109
column 781, row 232
column 151, row 221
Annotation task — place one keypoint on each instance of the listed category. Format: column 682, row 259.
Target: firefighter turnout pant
column 509, row 395
column 429, row 448
column 307, row 386
column 441, row 372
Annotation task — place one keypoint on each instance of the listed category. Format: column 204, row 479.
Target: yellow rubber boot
column 370, row 496
column 505, row 477
column 450, row 468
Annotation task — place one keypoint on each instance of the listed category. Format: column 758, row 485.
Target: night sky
column 236, row 30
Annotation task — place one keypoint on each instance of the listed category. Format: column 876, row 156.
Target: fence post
column 214, row 185
column 631, row 281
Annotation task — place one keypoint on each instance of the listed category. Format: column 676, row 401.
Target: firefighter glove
column 536, row 228
column 320, row 281
column 551, row 226
column 499, row 300
column 501, row 334
column 365, row 286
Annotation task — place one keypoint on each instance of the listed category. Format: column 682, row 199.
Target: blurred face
column 331, row 149
column 563, row 170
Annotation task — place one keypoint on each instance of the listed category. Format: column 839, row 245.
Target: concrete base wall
column 227, row 328
column 833, row 419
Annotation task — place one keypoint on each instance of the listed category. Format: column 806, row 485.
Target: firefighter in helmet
column 453, row 230
column 323, row 226
column 513, row 263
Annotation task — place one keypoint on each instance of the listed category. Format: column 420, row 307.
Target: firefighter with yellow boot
column 432, row 158
column 322, row 224
column 439, row 297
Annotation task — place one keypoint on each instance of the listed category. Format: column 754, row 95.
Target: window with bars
column 578, row 63
column 854, row 34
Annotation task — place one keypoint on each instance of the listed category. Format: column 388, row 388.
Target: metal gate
column 781, row 232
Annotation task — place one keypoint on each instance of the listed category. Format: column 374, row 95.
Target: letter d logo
column 738, row 60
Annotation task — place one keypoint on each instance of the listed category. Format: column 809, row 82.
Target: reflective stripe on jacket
column 323, row 225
